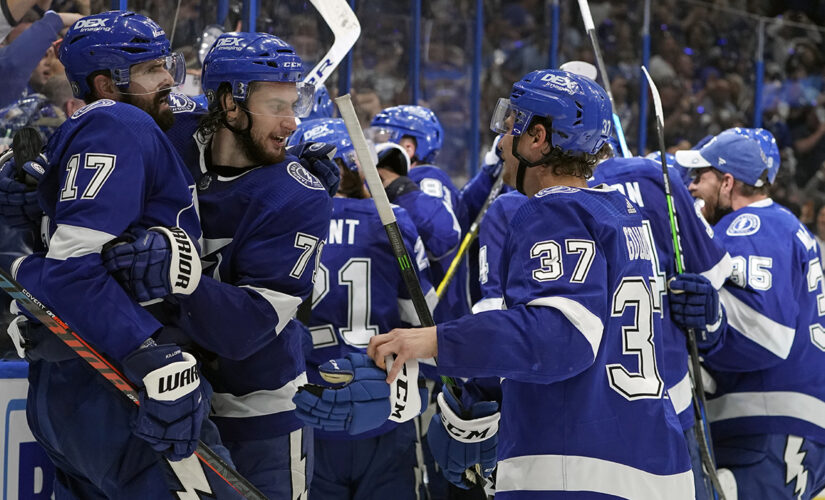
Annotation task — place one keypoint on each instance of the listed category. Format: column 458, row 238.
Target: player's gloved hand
column 18, row 200
column 173, row 402
column 317, row 157
column 400, row 186
column 694, row 303
column 152, row 264
column 493, row 161
column 358, row 402
column 461, row 438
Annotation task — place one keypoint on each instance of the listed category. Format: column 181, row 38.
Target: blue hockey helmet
column 321, row 104
column 768, row 145
column 115, row 41
column 577, row 107
column 418, row 122
column 328, row 130
column 242, row 58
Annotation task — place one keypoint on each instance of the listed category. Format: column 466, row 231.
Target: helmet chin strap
column 245, row 132
column 523, row 164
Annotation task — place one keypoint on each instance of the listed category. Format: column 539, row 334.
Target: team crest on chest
column 744, row 225
column 300, row 174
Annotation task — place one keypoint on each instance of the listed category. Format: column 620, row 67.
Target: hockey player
column 583, row 407
column 763, row 344
column 359, row 291
column 418, row 131
column 111, row 168
column 264, row 219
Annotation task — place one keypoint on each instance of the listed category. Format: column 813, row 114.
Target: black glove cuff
column 400, row 186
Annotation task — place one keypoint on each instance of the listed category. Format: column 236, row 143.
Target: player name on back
column 638, row 246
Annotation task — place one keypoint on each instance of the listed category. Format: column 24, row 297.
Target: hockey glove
column 18, row 200
column 359, row 401
column 492, row 161
column 317, row 157
column 460, row 438
column 400, row 186
column 173, row 402
column 155, row 263
column 694, row 303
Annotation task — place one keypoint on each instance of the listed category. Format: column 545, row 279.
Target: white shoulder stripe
column 720, row 272
column 759, row 328
column 578, row 473
column 585, row 321
column 768, row 404
column 75, row 241
column 488, row 304
column 258, row 403
column 284, row 305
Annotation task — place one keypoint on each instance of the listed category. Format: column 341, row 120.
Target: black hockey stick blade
column 57, row 326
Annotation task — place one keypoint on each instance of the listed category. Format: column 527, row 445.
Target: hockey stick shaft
column 345, row 28
column 701, row 428
column 587, row 17
column 116, row 378
column 469, row 237
column 385, row 213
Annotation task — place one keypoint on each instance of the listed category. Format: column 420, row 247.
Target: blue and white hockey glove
column 492, row 161
column 173, row 402
column 694, row 303
column 317, row 157
column 360, row 400
column 18, row 200
column 462, row 438
column 155, row 263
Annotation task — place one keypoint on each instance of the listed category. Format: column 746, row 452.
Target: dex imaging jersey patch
column 300, row 174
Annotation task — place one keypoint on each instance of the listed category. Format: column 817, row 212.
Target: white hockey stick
column 345, row 28
column 701, row 427
column 591, row 30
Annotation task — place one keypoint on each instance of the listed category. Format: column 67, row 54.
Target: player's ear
column 539, row 137
column 104, row 88
column 229, row 105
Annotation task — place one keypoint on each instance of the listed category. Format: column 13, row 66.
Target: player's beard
column 253, row 148
column 151, row 104
column 715, row 209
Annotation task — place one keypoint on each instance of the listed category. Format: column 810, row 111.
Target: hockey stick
column 385, row 213
column 591, row 31
column 110, row 373
column 345, row 28
column 469, row 237
column 701, row 428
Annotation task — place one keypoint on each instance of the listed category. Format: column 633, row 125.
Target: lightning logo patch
column 794, row 469
column 192, row 479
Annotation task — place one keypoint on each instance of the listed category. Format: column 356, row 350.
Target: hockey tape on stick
column 57, row 326
column 345, row 28
column 584, row 8
column 701, row 429
column 467, row 431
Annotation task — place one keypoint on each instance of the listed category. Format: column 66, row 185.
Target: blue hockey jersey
column 111, row 168
column 263, row 228
column 769, row 364
column 641, row 181
column 583, row 406
column 359, row 291
column 455, row 301
column 491, row 234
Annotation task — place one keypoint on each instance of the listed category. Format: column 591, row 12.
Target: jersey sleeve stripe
column 285, row 306
column 258, row 403
column 775, row 337
column 768, row 404
column 720, row 272
column 74, row 241
column 488, row 304
column 587, row 323
column 406, row 308
column 680, row 394
column 578, row 473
